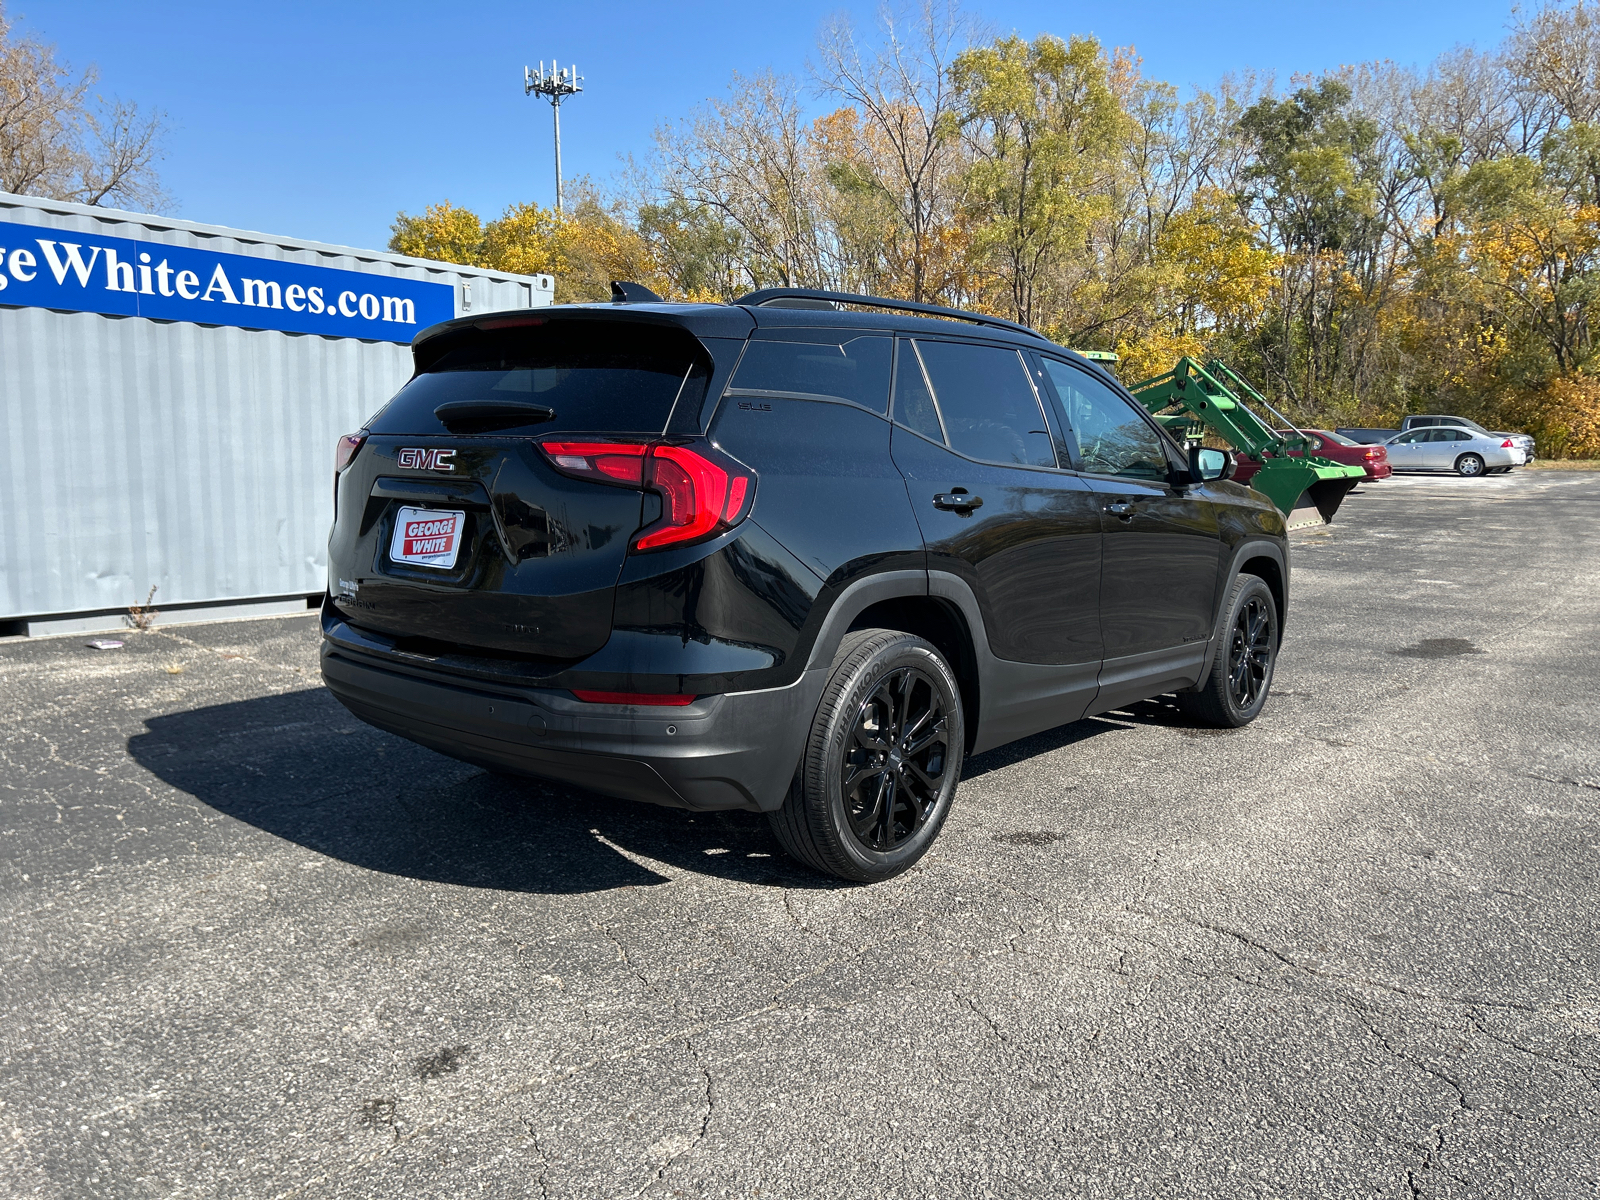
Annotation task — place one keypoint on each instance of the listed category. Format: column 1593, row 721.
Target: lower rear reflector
column 655, row 698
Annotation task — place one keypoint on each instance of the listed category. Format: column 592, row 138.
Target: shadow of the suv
column 300, row 767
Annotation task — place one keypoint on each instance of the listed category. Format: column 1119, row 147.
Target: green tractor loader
column 1192, row 399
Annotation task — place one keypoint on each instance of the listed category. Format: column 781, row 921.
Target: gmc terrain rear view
column 800, row 554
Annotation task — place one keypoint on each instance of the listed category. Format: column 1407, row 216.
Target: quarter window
column 856, row 370
column 1112, row 437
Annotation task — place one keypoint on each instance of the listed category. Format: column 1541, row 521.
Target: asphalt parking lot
column 252, row 947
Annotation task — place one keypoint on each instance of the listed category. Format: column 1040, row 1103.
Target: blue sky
column 321, row 120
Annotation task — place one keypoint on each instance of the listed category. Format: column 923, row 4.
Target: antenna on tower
column 554, row 87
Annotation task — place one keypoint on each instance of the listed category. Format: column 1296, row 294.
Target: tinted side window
column 989, row 409
column 856, row 370
column 913, row 402
column 1113, row 438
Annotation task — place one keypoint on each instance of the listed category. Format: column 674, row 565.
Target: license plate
column 427, row 537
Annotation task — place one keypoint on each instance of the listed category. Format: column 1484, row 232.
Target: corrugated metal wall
column 194, row 458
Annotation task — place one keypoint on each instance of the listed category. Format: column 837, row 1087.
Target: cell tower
column 554, row 87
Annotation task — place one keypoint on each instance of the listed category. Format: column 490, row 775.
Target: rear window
column 595, row 377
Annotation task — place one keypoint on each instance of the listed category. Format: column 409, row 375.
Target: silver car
column 1522, row 441
column 1454, row 448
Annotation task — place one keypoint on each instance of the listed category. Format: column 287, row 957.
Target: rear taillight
column 703, row 491
column 342, row 454
column 346, row 450
column 653, row 698
column 1376, row 452
column 604, row 462
column 700, row 496
column 1506, row 445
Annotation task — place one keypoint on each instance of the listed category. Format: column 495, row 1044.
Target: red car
column 1327, row 444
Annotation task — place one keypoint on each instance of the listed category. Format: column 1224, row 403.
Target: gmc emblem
column 417, row 459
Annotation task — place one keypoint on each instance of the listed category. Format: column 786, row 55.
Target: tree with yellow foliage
column 443, row 232
column 584, row 248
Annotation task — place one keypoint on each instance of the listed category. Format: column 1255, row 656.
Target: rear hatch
column 454, row 530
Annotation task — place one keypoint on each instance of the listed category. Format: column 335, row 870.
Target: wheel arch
column 1267, row 560
column 941, row 623
column 901, row 600
column 1271, row 571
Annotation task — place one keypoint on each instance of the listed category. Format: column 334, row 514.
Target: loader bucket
column 1318, row 503
column 1308, row 491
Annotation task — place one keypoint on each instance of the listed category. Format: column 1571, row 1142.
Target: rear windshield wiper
column 492, row 414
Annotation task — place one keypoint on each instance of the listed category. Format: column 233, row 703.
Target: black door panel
column 1159, row 573
column 1162, row 541
column 1024, row 535
column 1031, row 552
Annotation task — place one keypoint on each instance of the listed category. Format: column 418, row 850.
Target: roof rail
column 768, row 295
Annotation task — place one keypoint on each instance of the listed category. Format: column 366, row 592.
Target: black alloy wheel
column 882, row 762
column 893, row 770
column 1250, row 653
column 1234, row 690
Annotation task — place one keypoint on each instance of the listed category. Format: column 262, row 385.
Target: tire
column 863, row 806
column 1235, row 690
column 1470, row 466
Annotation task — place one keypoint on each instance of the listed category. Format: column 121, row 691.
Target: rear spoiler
column 698, row 320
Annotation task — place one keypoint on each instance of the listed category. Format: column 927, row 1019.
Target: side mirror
column 1206, row 464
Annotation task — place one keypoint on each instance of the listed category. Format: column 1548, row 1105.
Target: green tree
column 1046, row 134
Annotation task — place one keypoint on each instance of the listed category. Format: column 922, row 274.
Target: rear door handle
column 1120, row 509
column 957, row 502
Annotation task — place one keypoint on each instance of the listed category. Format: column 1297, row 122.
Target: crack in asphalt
column 1584, row 1069
column 625, row 960
column 1431, row 1155
column 700, row 1135
column 1433, row 1160
column 994, row 1026
column 1322, row 973
column 619, row 1054
column 543, row 1178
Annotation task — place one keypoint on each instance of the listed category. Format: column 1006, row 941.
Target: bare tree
column 745, row 160
column 903, row 92
column 61, row 141
column 1554, row 56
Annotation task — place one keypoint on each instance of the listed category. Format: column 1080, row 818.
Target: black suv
column 781, row 556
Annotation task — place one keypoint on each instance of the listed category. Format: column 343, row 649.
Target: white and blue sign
column 76, row 272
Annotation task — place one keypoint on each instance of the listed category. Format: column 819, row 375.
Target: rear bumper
column 737, row 750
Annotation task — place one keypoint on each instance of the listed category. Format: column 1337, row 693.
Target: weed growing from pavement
column 143, row 616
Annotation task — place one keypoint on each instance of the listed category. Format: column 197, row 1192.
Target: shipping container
column 170, row 399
